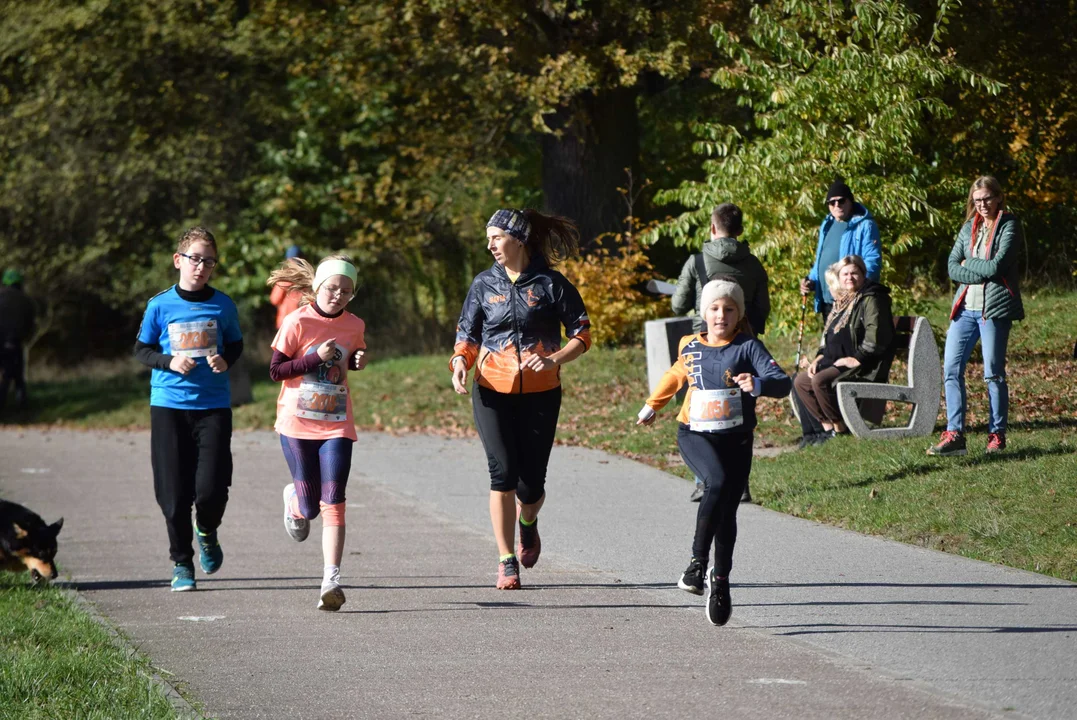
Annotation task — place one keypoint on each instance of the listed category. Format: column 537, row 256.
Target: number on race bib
column 322, row 402
column 713, row 410
column 193, row 339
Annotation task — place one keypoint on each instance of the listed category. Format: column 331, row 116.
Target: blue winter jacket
column 861, row 238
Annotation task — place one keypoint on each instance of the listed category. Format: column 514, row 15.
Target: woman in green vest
column 984, row 265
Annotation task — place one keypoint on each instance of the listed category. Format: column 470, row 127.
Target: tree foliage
column 392, row 130
column 833, row 89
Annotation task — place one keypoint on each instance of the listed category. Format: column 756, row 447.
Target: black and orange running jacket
column 503, row 323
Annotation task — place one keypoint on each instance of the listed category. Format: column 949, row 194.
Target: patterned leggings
column 319, row 470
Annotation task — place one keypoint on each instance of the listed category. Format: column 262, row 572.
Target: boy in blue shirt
column 190, row 337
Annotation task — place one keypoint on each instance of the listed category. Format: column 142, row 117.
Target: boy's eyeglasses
column 836, row 202
column 197, row 260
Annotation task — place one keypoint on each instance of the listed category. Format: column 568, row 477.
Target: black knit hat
column 838, row 189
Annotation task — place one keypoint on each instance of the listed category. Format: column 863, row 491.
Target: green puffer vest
column 998, row 273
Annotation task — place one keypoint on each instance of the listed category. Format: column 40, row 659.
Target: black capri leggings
column 517, row 432
column 723, row 461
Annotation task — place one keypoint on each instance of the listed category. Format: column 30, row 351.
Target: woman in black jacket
column 856, row 345
column 510, row 330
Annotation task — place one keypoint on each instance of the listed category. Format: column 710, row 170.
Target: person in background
column 984, row 264
column 724, row 256
column 17, row 320
column 847, row 229
column 856, row 345
column 283, row 296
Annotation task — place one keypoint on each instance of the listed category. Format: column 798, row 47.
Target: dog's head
column 36, row 547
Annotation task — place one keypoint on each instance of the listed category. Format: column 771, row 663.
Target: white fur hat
column 719, row 289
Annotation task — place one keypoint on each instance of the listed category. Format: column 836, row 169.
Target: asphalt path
column 826, row 623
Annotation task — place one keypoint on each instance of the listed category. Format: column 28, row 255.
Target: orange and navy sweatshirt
column 503, row 323
column 705, row 366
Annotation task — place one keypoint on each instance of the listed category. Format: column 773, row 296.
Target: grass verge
column 1019, row 508
column 58, row 662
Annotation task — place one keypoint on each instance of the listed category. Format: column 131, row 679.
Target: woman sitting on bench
column 855, row 346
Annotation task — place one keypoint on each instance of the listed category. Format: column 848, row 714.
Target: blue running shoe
column 183, row 577
column 211, row 555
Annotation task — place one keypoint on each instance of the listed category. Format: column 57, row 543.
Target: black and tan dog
column 26, row 542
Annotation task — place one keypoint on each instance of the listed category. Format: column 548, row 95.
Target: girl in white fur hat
column 726, row 369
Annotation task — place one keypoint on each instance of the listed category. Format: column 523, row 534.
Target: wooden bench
column 863, row 401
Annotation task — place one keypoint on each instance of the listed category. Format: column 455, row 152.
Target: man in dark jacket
column 724, row 256
column 16, row 327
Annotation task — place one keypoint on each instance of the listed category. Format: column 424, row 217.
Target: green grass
column 58, row 662
column 1018, row 509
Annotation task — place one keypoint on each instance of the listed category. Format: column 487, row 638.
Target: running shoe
column 692, row 578
column 719, row 605
column 211, row 555
column 697, row 493
column 508, row 574
column 530, row 544
column 183, row 577
column 746, row 496
column 996, row 442
column 332, row 596
column 951, row 443
column 298, row 528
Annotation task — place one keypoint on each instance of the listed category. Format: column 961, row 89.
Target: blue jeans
column 965, row 330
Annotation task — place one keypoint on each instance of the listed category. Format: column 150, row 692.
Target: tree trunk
column 583, row 166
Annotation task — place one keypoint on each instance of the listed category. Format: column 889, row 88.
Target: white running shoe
column 298, row 528
column 332, row 596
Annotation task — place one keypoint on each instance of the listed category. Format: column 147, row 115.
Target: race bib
column 714, row 410
column 322, row 401
column 193, row 339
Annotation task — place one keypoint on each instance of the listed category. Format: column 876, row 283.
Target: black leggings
column 191, row 453
column 517, row 431
column 723, row 461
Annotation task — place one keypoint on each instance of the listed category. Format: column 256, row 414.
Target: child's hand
column 181, row 364
column 328, row 350
column 360, row 359
column 745, row 381
column 459, row 376
column 646, row 416
column 217, row 363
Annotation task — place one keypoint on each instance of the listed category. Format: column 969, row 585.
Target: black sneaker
column 692, row 578
column 806, row 441
column 719, row 605
column 950, row 444
column 746, row 496
column 697, row 494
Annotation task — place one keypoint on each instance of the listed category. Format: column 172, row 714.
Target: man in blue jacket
column 849, row 229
